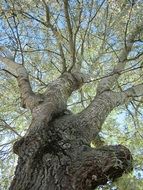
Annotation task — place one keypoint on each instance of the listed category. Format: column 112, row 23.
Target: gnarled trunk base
column 62, row 162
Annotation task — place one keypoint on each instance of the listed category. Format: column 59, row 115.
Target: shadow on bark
column 57, row 165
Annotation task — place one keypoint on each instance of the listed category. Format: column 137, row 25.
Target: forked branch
column 107, row 83
column 29, row 99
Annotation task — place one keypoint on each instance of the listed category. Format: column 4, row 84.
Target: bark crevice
column 62, row 159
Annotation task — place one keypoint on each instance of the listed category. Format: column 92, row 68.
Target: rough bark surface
column 64, row 161
column 55, row 154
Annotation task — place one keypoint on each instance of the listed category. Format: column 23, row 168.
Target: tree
column 77, row 43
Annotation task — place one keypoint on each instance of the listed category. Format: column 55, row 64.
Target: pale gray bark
column 108, row 82
column 102, row 105
column 29, row 99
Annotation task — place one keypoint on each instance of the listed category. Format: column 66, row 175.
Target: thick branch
column 56, row 96
column 96, row 113
column 107, row 83
column 29, row 99
column 53, row 105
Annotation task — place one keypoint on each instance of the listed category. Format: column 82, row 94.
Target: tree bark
column 66, row 161
column 56, row 155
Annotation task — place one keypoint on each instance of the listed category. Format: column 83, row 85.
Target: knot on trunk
column 98, row 166
column 76, row 79
column 27, row 147
column 17, row 145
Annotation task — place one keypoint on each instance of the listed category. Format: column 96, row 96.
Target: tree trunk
column 55, row 153
column 64, row 160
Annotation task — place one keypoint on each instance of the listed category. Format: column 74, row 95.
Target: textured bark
column 65, row 161
column 56, row 154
